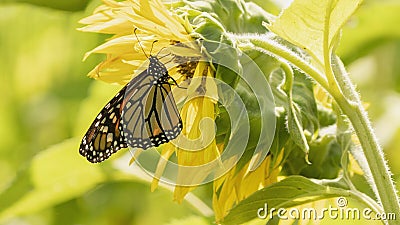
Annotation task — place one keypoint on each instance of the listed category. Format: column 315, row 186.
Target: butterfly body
column 142, row 114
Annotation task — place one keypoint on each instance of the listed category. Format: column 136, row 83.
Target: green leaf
column 212, row 20
column 294, row 125
column 325, row 157
column 233, row 16
column 296, row 129
column 280, row 139
column 253, row 112
column 293, row 191
column 326, row 117
column 304, row 109
column 303, row 98
column 310, row 24
column 54, row 176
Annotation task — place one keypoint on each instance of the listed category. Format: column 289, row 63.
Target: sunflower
column 139, row 28
column 124, row 55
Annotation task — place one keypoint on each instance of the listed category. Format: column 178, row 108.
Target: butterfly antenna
column 134, row 31
column 152, row 45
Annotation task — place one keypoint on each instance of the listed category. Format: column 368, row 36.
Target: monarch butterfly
column 142, row 114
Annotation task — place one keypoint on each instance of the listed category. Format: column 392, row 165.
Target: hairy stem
column 384, row 187
column 349, row 102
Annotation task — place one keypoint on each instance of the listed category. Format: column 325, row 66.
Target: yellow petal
column 110, row 26
column 113, row 70
column 121, row 45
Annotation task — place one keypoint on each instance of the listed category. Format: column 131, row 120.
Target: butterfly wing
column 143, row 114
column 151, row 119
column 150, row 116
column 164, row 117
column 105, row 135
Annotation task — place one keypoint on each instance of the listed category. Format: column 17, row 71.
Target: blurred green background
column 47, row 103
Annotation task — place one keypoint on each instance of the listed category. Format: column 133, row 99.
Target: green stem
column 333, row 85
column 350, row 103
column 361, row 197
column 384, row 187
column 358, row 196
column 345, row 96
column 269, row 46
